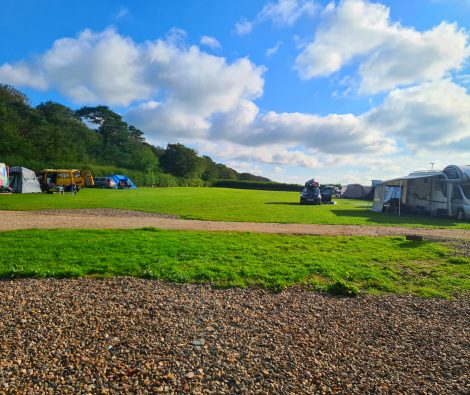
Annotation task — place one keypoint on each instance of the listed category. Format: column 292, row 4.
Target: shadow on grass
column 409, row 245
column 395, row 219
column 285, row 203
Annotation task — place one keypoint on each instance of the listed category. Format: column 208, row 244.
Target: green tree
column 182, row 161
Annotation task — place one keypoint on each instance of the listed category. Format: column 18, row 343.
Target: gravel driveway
column 125, row 219
column 127, row 335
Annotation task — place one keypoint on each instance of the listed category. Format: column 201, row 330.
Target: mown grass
column 372, row 265
column 221, row 204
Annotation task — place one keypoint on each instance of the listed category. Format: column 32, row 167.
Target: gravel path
column 127, row 335
column 125, row 219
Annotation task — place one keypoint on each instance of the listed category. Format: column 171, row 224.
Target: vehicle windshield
column 466, row 190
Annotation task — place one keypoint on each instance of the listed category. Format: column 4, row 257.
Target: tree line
column 52, row 135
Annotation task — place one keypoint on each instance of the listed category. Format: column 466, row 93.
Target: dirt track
column 124, row 219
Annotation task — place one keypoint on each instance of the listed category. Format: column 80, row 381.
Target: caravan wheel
column 460, row 215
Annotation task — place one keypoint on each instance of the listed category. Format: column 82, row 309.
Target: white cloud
column 281, row 13
column 392, row 54
column 335, row 133
column 210, row 42
column 122, row 13
column 433, row 116
column 112, row 69
column 272, row 154
column 22, row 74
column 287, row 12
column 271, row 51
column 243, row 27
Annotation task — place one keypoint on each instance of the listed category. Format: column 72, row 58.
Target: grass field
column 373, row 265
column 220, row 204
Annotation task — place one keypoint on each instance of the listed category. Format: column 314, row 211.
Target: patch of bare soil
column 103, row 212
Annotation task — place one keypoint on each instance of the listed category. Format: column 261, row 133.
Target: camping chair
column 392, row 205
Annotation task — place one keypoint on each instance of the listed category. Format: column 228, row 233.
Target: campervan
column 49, row 178
column 431, row 192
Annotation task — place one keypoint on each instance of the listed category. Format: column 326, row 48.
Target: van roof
column 62, row 170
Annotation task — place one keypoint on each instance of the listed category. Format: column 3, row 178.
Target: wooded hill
column 52, row 135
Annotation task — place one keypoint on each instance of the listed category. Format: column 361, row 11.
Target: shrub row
column 267, row 186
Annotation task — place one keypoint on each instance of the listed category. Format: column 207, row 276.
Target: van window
column 63, row 175
column 76, row 174
column 466, row 190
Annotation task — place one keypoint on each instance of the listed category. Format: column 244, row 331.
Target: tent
column 3, row 176
column 355, row 191
column 23, row 180
column 123, row 181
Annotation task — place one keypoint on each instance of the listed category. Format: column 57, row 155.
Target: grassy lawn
column 373, row 265
column 221, row 204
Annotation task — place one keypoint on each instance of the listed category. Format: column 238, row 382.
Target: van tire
column 460, row 215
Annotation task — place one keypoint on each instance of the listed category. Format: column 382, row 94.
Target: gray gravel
column 140, row 336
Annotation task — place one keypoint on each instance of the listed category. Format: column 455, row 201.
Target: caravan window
column 466, row 190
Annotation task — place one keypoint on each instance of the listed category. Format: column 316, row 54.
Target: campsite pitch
column 219, row 204
column 340, row 265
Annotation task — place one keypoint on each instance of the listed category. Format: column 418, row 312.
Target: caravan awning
column 395, row 182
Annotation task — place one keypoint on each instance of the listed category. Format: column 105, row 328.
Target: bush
column 258, row 185
column 343, row 289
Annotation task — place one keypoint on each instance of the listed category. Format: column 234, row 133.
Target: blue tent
column 122, row 181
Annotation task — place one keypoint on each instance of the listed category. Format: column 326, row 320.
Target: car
column 105, row 182
column 327, row 193
column 310, row 195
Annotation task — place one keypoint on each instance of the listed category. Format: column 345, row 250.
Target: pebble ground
column 123, row 335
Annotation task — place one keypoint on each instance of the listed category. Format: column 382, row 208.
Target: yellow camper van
column 49, row 178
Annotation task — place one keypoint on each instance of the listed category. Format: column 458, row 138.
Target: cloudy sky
column 342, row 91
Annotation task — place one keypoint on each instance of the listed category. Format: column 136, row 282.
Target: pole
column 399, row 201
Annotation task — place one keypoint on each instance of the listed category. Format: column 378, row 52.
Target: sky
column 339, row 91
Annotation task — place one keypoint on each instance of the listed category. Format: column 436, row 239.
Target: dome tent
column 23, row 180
column 355, row 191
column 122, row 181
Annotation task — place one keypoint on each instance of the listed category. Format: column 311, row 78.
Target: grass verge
column 334, row 264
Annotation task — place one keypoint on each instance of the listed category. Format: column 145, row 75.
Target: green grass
column 372, row 265
column 221, row 204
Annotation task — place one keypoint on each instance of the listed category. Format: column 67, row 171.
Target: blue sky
column 340, row 91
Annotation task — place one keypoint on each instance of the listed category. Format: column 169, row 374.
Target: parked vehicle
column 105, row 182
column 311, row 193
column 65, row 177
column 427, row 192
column 327, row 193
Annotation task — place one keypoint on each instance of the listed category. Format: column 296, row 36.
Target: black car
column 327, row 193
column 104, row 182
column 310, row 195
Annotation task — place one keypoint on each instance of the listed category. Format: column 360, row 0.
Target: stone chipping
column 135, row 336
